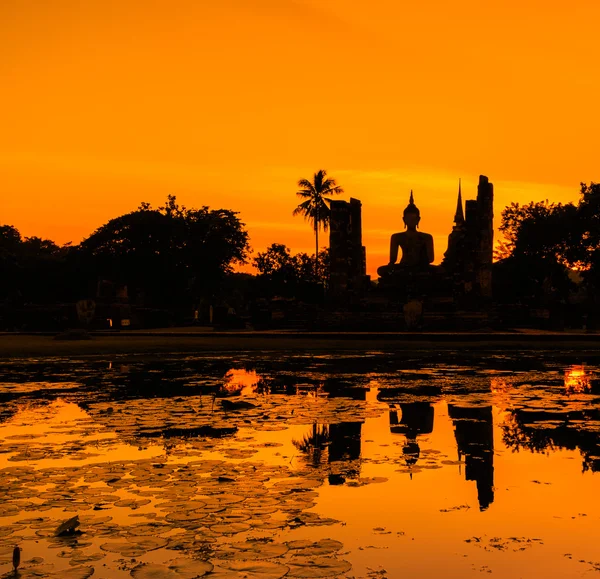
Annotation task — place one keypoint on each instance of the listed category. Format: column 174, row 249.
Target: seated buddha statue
column 416, row 246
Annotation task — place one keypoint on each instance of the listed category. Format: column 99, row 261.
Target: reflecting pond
column 269, row 465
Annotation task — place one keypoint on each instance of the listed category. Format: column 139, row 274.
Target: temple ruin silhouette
column 413, row 293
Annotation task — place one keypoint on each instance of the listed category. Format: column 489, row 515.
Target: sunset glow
column 227, row 104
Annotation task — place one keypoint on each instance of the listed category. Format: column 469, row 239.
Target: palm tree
column 314, row 208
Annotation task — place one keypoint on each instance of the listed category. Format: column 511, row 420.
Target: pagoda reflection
column 474, row 433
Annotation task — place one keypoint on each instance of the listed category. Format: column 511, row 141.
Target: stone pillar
column 469, row 281
column 346, row 252
column 485, row 236
column 339, row 221
column 358, row 265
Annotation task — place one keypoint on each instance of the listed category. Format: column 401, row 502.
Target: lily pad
column 135, row 546
column 190, row 568
column 254, row 551
column 76, row 573
column 230, row 528
column 249, row 570
column 316, row 567
column 306, row 548
column 153, row 571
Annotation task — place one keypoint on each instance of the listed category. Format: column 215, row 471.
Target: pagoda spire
column 459, row 216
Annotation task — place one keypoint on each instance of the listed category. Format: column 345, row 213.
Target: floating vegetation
column 301, row 467
column 176, row 569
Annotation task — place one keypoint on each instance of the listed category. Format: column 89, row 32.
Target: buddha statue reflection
column 416, row 246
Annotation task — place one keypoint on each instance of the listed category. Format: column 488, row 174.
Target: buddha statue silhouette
column 416, row 246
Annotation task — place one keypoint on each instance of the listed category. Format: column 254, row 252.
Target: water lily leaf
column 76, row 573
column 229, row 528
column 153, row 571
column 132, row 503
column 34, row 572
column 190, row 568
column 187, row 517
column 306, row 548
column 316, row 567
column 254, row 551
column 135, row 546
column 249, row 570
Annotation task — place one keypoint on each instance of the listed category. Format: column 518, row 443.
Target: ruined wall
column 468, row 259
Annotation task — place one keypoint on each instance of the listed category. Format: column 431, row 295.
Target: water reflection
column 578, row 380
column 314, row 444
column 547, row 434
column 416, row 418
column 317, row 443
column 241, row 382
column 338, row 445
column 474, row 432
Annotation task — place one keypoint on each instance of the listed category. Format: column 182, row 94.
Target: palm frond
column 315, row 205
column 318, row 179
column 306, row 184
column 332, row 189
column 304, row 193
column 304, row 209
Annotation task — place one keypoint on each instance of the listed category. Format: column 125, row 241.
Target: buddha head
column 412, row 215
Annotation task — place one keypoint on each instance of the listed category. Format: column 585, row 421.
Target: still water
column 265, row 466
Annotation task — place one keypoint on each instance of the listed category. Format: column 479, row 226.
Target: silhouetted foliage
column 288, row 275
column 31, row 269
column 314, row 208
column 540, row 248
column 543, row 242
column 170, row 253
column 10, row 240
column 589, row 231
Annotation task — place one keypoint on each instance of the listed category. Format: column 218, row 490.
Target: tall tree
column 314, row 206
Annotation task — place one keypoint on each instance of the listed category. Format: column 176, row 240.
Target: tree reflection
column 314, row 444
column 579, row 432
column 336, row 445
column 516, row 437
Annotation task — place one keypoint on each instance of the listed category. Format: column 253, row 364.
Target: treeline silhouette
column 550, row 259
column 175, row 264
column 168, row 262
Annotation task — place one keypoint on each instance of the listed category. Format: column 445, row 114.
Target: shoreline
column 177, row 341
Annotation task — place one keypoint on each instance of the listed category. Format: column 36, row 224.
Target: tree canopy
column 289, row 275
column 544, row 240
column 168, row 253
column 29, row 267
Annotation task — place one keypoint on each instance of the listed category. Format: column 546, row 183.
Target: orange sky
column 106, row 103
